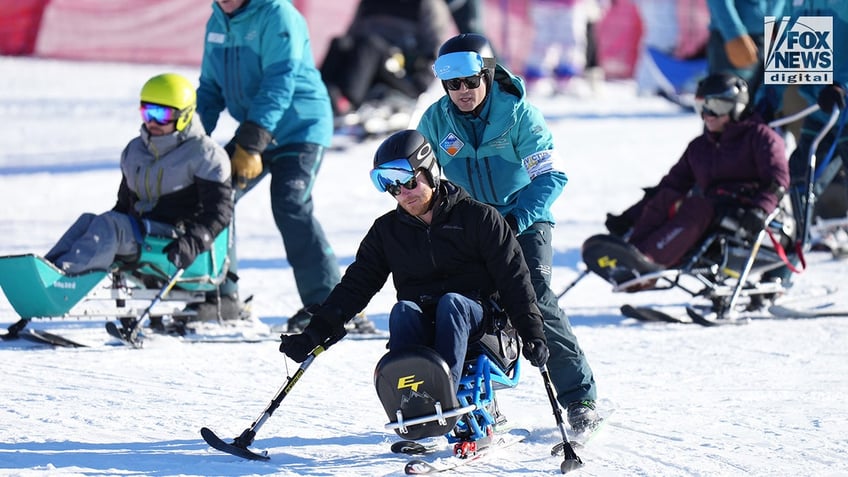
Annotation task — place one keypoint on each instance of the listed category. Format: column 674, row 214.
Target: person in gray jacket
column 175, row 183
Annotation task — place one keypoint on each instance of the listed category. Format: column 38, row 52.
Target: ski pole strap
column 781, row 252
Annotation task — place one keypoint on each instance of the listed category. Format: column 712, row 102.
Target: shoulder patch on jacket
column 451, row 144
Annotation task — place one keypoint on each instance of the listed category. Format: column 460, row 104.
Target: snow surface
column 767, row 398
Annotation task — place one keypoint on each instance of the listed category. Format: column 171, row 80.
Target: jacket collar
column 161, row 145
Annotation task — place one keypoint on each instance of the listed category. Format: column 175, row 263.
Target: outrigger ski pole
column 14, row 329
column 572, row 460
column 812, row 166
column 239, row 445
column 130, row 334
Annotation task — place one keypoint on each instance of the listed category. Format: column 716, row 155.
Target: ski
column 444, row 464
column 45, row 337
column 408, row 447
column 128, row 336
column 13, row 331
column 788, row 312
column 231, row 448
column 704, row 320
column 648, row 314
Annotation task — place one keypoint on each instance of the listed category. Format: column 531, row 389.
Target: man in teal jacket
column 495, row 145
column 258, row 64
column 736, row 41
column 831, row 171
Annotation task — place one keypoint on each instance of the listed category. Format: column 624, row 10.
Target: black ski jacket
column 468, row 249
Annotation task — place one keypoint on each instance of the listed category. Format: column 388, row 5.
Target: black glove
column 182, row 251
column 252, row 137
column 830, row 96
column 318, row 332
column 536, row 351
column 618, row 225
column 752, row 220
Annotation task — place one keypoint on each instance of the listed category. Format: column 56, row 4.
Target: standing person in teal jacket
column 736, row 37
column 258, row 64
column 833, row 149
column 495, row 145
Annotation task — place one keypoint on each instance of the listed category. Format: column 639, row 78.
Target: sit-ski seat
column 207, row 271
column 416, row 389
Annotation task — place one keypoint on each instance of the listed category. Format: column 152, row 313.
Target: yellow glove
column 246, row 166
column 741, row 51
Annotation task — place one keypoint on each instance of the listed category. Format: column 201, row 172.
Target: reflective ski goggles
column 713, row 106
column 161, row 115
column 391, row 176
column 470, row 82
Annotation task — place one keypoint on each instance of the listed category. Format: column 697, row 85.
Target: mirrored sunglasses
column 388, row 177
column 470, row 82
column 713, row 106
column 394, row 190
column 161, row 115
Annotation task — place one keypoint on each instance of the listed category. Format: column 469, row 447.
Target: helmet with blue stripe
column 464, row 55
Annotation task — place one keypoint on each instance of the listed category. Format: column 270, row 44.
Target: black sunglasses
column 470, row 82
column 394, row 189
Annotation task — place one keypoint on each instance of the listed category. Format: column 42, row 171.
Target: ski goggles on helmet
column 391, row 176
column 460, row 64
column 470, row 82
column 712, row 106
column 161, row 115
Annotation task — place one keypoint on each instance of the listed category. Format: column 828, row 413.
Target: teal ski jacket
column 258, row 64
column 505, row 157
column 838, row 11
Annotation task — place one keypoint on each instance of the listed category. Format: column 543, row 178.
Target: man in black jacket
column 447, row 253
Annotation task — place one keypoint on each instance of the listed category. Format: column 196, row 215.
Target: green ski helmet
column 174, row 91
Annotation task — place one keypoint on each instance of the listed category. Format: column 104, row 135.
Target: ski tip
column 570, row 464
column 231, row 448
column 45, row 337
column 418, row 467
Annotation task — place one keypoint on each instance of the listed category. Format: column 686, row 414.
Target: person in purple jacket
column 737, row 166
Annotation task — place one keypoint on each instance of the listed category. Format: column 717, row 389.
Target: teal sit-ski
column 38, row 289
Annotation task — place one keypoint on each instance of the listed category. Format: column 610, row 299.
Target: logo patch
column 213, row 37
column 799, row 52
column 409, row 382
column 451, row 144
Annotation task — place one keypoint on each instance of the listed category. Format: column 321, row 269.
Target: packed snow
column 767, row 398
